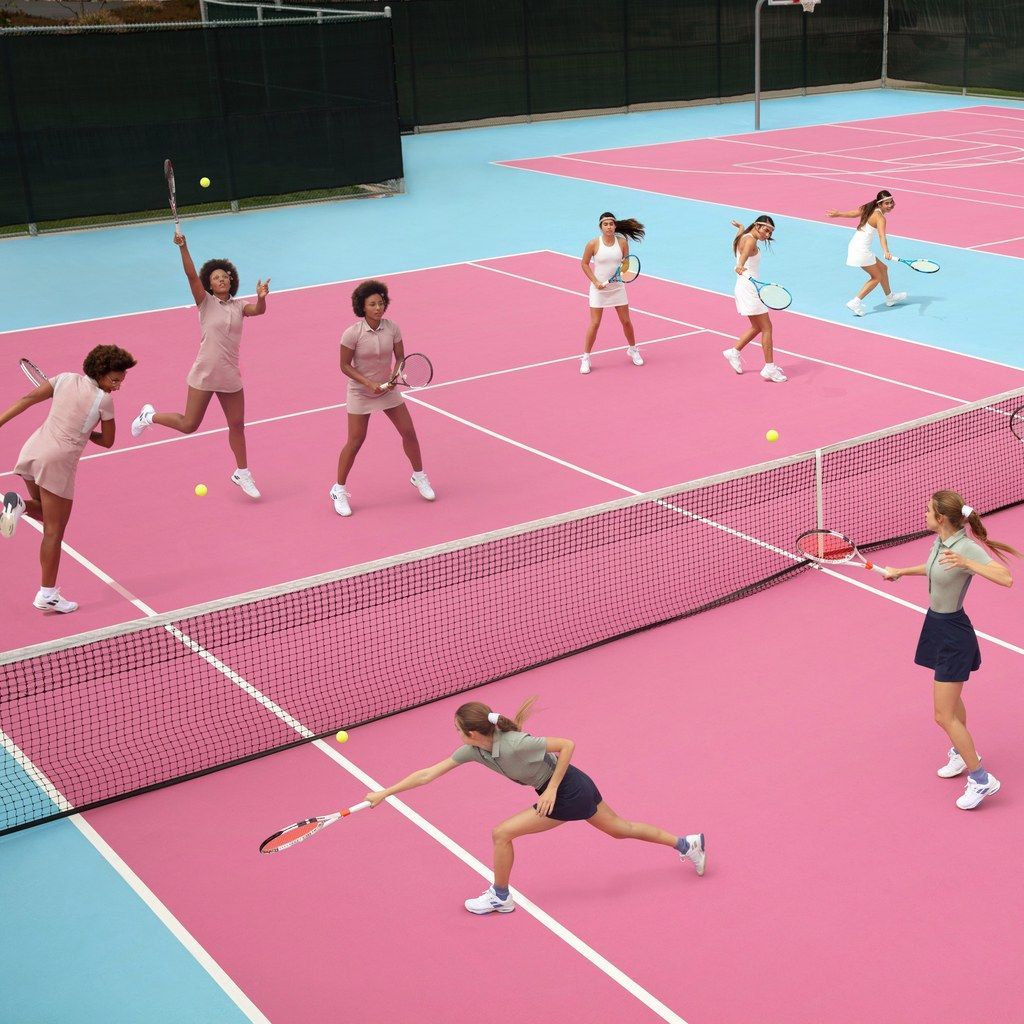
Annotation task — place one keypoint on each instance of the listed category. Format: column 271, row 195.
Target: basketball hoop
column 809, row 5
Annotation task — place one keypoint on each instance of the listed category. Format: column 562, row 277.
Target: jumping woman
column 371, row 350
column 215, row 371
column 871, row 222
column 601, row 258
column 564, row 793
column 748, row 302
column 948, row 643
column 49, row 460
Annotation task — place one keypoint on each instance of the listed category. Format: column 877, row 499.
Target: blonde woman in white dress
column 748, row 302
column 859, row 253
column 601, row 258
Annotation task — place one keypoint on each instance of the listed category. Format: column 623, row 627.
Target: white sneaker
column 13, row 509
column 773, row 373
column 422, row 484
column 733, row 358
column 54, row 603
column 243, row 477
column 585, row 364
column 634, row 353
column 489, row 903
column 856, row 307
column 143, row 421
column 696, row 854
column 976, row 792
column 953, row 767
column 339, row 495
column 893, row 297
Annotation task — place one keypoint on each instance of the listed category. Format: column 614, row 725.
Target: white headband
column 493, row 717
column 966, row 511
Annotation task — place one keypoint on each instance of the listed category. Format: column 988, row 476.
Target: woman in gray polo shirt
column 948, row 643
column 565, row 793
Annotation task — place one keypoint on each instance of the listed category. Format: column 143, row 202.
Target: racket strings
column 826, row 547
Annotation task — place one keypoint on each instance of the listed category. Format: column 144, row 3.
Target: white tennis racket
column 34, row 374
column 290, row 835
column 827, row 547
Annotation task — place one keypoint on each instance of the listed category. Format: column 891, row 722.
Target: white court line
column 724, row 334
column 1002, row 241
column 986, row 113
column 178, row 438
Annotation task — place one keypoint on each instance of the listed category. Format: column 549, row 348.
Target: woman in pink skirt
column 215, row 371
column 49, row 460
column 371, row 349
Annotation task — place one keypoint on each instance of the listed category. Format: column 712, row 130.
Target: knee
column 944, row 718
column 236, row 426
column 190, row 426
column 499, row 835
column 622, row 829
column 355, row 442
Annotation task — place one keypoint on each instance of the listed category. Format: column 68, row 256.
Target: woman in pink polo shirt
column 215, row 371
column 48, row 461
column 371, row 349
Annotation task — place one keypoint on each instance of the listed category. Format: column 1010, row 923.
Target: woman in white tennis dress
column 748, row 302
column 601, row 258
column 859, row 253
column 81, row 410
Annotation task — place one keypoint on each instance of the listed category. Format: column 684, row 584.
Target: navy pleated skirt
column 948, row 645
column 577, row 798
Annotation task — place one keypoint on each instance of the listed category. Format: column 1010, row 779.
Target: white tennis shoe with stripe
column 339, row 495
column 634, row 354
column 13, row 510
column 243, row 477
column 697, row 853
column 53, row 602
column 422, row 484
column 585, row 364
column 489, row 903
column 975, row 792
column 143, row 421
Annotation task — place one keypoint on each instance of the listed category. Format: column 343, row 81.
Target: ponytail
column 478, row 717
column 950, row 505
column 629, row 227
column 867, row 209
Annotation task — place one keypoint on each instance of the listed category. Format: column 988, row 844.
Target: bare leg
column 399, row 415
column 522, row 824
column 948, row 703
column 33, row 504
column 56, row 512
column 357, row 425
column 233, row 405
column 874, row 279
column 619, row 828
column 189, row 421
column 591, row 335
column 766, row 338
column 627, row 325
column 748, row 336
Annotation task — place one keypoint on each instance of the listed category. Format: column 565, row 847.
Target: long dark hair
column 629, row 227
column 472, row 717
column 950, row 505
column 869, row 208
column 762, row 218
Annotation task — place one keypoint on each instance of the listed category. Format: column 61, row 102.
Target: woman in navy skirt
column 564, row 793
column 948, row 643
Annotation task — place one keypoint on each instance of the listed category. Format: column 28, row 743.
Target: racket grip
column 358, row 807
column 875, row 568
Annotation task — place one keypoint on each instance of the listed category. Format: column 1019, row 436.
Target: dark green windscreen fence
column 969, row 45
column 300, row 111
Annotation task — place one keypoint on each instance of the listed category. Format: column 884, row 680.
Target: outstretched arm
column 895, row 574
column 993, row 571
column 259, row 307
column 420, row 778
column 198, row 291
column 843, row 213
column 34, row 397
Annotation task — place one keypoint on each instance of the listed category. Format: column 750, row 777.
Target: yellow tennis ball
column 342, row 737
column 205, row 182
column 772, row 435
column 201, row 490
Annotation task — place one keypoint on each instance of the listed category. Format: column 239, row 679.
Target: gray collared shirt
column 947, row 584
column 516, row 755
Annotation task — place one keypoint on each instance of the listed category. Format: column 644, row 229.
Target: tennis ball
column 342, row 736
column 205, row 182
column 201, row 490
column 772, row 435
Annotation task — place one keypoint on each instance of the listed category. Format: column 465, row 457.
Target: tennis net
column 107, row 714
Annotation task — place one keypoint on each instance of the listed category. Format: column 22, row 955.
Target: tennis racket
column 921, row 266
column 34, row 374
column 774, row 296
column 292, row 834
column 826, row 547
column 171, row 194
column 628, row 270
column 1017, row 423
column 414, row 371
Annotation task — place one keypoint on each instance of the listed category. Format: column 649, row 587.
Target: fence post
column 885, row 44
column 757, row 64
column 625, row 52
column 526, row 57
column 967, row 46
column 218, row 75
column 19, row 145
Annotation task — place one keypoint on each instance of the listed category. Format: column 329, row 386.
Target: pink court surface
column 963, row 168
column 839, row 888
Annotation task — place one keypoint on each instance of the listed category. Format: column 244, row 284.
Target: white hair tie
column 966, row 511
column 493, row 717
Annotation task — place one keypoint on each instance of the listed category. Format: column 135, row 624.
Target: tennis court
column 789, row 725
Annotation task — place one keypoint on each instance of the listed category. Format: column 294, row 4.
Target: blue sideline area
column 79, row 945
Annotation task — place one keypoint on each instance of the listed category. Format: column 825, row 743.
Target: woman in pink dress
column 371, row 349
column 215, row 371
column 49, row 460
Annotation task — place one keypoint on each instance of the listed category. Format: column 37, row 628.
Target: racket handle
column 874, row 568
column 358, row 807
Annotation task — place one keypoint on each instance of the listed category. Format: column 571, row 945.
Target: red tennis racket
column 827, row 547
column 292, row 834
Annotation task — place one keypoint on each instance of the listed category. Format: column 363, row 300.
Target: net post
column 204, row 15
column 819, row 492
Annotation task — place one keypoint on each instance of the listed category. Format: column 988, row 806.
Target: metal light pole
column 757, row 64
